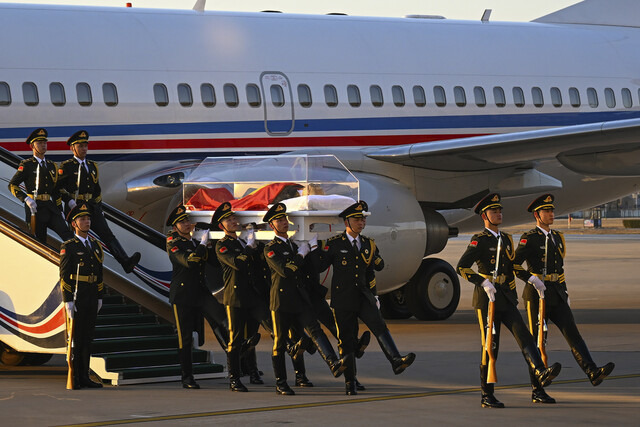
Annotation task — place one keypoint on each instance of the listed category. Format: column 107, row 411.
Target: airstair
column 135, row 340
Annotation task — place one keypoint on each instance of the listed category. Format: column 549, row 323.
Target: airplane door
column 278, row 103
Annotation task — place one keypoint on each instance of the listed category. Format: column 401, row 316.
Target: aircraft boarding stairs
column 135, row 340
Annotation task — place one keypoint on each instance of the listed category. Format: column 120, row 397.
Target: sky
column 503, row 10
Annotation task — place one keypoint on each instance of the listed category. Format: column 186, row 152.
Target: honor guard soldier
column 289, row 302
column 354, row 259
column 82, row 288
column 79, row 180
column 41, row 201
column 483, row 251
column 188, row 289
column 240, row 297
column 543, row 249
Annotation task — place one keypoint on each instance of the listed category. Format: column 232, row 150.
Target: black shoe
column 599, row 374
column 540, row 396
column 545, row 376
column 350, row 388
column 283, row 388
column 303, row 381
column 254, row 378
column 489, row 401
column 399, row 364
column 337, row 367
column 131, row 262
column 363, row 342
column 296, row 350
column 87, row 382
column 189, row 382
column 359, row 386
column 236, row 385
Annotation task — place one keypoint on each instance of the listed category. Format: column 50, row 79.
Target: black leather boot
column 350, row 375
column 538, row 395
column 328, row 354
column 301, row 371
column 280, row 372
column 222, row 336
column 233, row 366
column 83, row 374
column 252, row 366
column 127, row 263
column 543, row 375
column 363, row 342
column 595, row 374
column 488, row 399
column 398, row 363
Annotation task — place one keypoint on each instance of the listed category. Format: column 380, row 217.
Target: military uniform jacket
column 72, row 253
column 482, row 251
column 27, row 173
column 89, row 190
column 531, row 250
column 353, row 271
column 286, row 267
column 237, row 272
column 188, row 260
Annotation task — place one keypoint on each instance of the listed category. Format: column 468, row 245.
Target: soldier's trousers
column 187, row 319
column 347, row 324
column 48, row 216
column 84, row 322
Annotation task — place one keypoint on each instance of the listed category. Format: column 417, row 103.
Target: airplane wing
column 605, row 148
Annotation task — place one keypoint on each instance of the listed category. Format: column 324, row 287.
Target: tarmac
column 442, row 386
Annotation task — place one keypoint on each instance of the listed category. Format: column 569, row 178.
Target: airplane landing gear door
column 278, row 103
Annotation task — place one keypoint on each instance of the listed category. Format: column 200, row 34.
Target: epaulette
column 67, row 161
column 336, row 237
column 366, row 238
column 70, row 240
column 271, row 243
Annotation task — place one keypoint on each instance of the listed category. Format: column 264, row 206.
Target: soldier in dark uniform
column 240, row 297
column 188, row 288
column 42, row 199
column 354, row 259
column 552, row 287
column 79, row 180
column 289, row 302
column 482, row 251
column 82, row 288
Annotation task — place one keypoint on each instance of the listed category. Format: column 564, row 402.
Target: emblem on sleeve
column 174, row 249
column 473, row 243
column 223, row 249
column 523, row 241
column 63, row 251
column 271, row 254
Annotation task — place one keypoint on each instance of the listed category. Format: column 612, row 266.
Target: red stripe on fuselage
column 52, row 324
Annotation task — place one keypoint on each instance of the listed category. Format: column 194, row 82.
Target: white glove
column 303, row 249
column 71, row 204
column 538, row 284
column 313, row 243
column 33, row 206
column 99, row 304
column 204, row 239
column 251, row 238
column 489, row 289
column 70, row 307
column 377, row 301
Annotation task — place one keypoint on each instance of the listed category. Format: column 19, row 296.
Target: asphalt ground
column 442, row 386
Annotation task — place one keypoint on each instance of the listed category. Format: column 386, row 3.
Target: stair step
column 113, row 345
column 120, row 309
column 125, row 319
column 112, row 299
column 117, row 361
column 168, row 371
column 133, row 330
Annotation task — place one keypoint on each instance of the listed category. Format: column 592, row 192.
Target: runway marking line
column 328, row 403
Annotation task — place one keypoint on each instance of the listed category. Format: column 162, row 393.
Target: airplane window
column 304, row 96
column 377, row 100
column 459, row 96
column 536, row 94
column 353, row 95
column 110, row 94
column 56, row 92
column 439, row 96
column 185, row 96
column 330, row 95
column 556, row 97
column 499, row 97
column 30, row 94
column 398, row 95
column 277, row 96
column 592, row 96
column 610, row 97
column 208, row 95
column 419, row 97
column 478, row 94
column 230, row 95
column 518, row 96
column 160, row 94
column 627, row 101
column 574, row 97
column 83, row 93
column 253, row 95
column 5, row 94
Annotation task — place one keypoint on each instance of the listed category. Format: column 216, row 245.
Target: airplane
column 429, row 114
